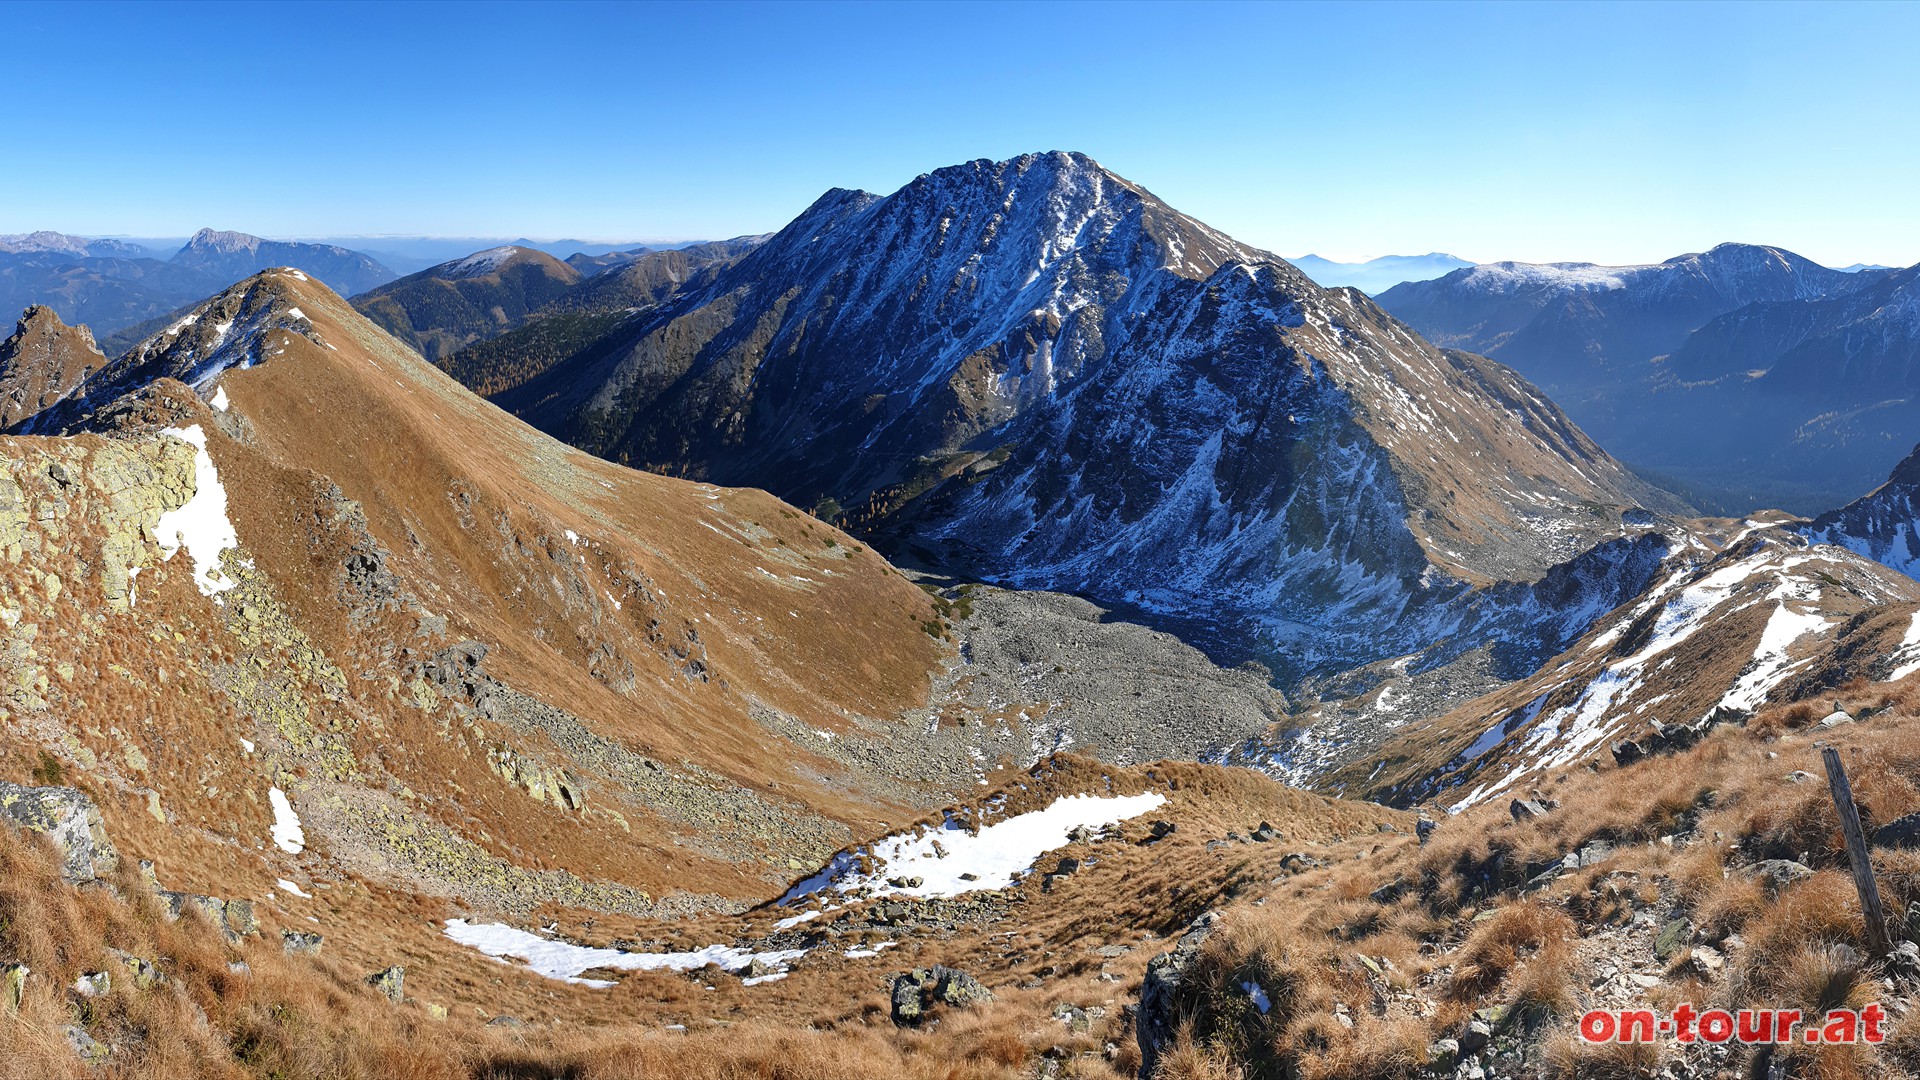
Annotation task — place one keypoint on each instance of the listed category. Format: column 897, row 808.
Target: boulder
column 1265, row 834
column 1165, row 997
column 144, row 975
column 1676, row 935
column 391, row 982
column 239, row 918
column 85, row 1047
column 13, row 986
column 916, row 992
column 300, row 942
column 1526, row 810
column 68, row 818
column 1899, row 833
column 1777, row 874
column 93, row 984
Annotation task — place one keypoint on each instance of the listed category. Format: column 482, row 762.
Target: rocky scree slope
column 1035, row 372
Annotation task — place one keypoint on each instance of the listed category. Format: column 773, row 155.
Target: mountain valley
column 1004, row 628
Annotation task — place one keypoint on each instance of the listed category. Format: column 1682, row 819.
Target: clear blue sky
column 1536, row 131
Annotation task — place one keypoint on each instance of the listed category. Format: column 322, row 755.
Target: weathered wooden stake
column 1877, row 938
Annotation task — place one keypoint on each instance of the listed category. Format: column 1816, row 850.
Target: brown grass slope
column 1080, row 944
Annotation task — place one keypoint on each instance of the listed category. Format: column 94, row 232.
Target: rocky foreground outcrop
column 69, row 819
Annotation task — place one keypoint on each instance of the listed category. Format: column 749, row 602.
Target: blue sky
column 1535, row 131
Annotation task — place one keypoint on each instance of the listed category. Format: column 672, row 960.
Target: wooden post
column 1877, row 938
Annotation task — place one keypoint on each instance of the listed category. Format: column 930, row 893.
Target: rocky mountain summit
column 230, row 256
column 1062, row 383
column 41, row 363
column 47, row 242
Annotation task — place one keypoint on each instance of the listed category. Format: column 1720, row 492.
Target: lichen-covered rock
column 142, row 972
column 300, row 942
column 916, row 992
column 239, row 918
column 1163, row 990
column 391, row 982
column 86, row 1047
column 68, row 818
column 13, row 986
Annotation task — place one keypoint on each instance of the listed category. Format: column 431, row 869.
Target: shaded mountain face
column 443, row 309
column 1376, row 276
column 1572, row 326
column 41, row 363
column 649, row 277
column 583, row 315
column 1615, row 346
column 1862, row 345
column 1035, row 371
column 1883, row 525
column 230, row 256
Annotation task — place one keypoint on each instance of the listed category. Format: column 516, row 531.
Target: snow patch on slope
column 201, row 526
column 287, row 834
column 565, row 961
column 994, row 855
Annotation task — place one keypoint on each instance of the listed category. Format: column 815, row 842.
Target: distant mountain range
column 1375, row 276
column 1745, row 376
column 115, row 287
column 470, row 301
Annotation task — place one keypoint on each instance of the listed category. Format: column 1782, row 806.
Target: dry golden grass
column 1566, row 1056
column 1529, row 937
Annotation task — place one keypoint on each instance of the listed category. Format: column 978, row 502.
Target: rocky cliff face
column 1036, row 372
column 41, row 363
